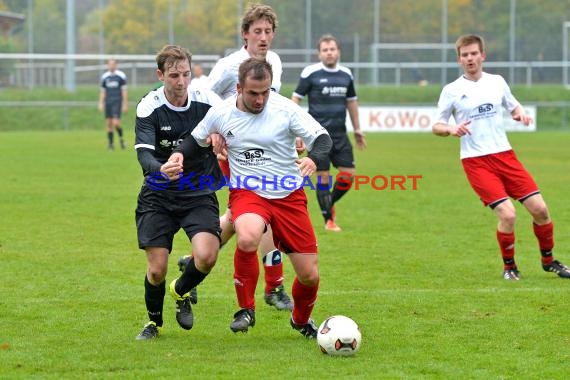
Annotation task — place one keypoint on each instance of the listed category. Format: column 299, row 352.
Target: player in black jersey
column 329, row 88
column 174, row 196
column 113, row 100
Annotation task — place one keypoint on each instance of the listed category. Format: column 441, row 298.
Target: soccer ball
column 339, row 336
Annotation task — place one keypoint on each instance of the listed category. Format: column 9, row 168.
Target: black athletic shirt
column 114, row 83
column 160, row 127
column 327, row 91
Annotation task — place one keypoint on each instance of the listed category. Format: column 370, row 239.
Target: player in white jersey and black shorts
column 260, row 128
column 258, row 30
column 175, row 196
column 330, row 90
column 476, row 100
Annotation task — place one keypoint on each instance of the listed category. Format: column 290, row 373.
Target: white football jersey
column 223, row 78
column 481, row 102
column 261, row 147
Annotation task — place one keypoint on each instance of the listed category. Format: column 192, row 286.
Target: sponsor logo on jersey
column 167, row 144
column 251, row 154
column 253, row 157
column 112, row 84
column 334, row 91
column 485, row 107
column 166, row 128
column 484, row 111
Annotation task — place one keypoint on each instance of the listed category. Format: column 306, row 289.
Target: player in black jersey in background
column 113, row 101
column 166, row 203
column 329, row 88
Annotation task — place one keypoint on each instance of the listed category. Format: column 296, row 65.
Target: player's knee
column 346, row 175
column 226, row 226
column 309, row 276
column 156, row 275
column 206, row 261
column 508, row 219
column 248, row 242
column 540, row 214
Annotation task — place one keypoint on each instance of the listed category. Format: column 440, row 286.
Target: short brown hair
column 254, row 68
column 327, row 38
column 258, row 12
column 469, row 39
column 170, row 54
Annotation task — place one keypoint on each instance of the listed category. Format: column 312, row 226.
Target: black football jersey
column 113, row 83
column 327, row 91
column 161, row 127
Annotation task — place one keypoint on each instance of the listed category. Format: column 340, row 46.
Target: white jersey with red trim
column 481, row 102
column 261, row 147
column 223, row 77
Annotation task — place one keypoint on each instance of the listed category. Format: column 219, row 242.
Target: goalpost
column 565, row 27
column 442, row 47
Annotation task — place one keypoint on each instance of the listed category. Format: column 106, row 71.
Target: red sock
column 246, row 274
column 545, row 235
column 273, row 270
column 507, row 246
column 273, row 277
column 304, row 298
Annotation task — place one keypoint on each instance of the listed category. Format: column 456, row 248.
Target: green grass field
column 419, row 270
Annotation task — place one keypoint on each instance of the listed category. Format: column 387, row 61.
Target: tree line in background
column 211, row 26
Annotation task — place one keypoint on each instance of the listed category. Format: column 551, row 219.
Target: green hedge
column 552, row 100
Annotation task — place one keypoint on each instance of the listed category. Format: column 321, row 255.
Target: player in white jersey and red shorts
column 266, row 185
column 258, row 30
column 476, row 100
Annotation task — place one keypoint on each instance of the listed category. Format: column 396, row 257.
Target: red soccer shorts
column 498, row 176
column 288, row 217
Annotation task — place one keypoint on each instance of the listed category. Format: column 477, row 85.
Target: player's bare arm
column 461, row 129
column 219, row 146
column 300, row 146
column 520, row 115
column 125, row 104
column 352, row 107
column 101, row 104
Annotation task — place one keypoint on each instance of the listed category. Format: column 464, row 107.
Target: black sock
column 325, row 202
column 110, row 138
column 546, row 256
column 509, row 263
column 338, row 191
column 154, row 300
column 189, row 279
column 120, row 133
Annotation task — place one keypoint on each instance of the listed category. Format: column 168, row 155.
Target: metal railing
column 35, row 73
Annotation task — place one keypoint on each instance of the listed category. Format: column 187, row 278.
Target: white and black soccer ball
column 339, row 336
